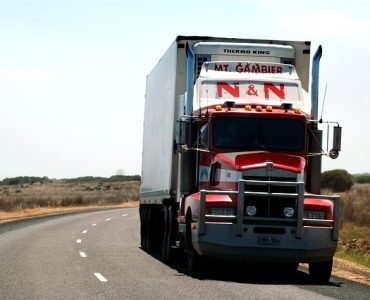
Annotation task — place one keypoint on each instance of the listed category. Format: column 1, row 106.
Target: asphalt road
column 96, row 255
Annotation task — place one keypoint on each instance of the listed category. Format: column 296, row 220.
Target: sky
column 72, row 74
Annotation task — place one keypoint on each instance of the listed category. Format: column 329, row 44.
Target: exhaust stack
column 315, row 138
column 315, row 86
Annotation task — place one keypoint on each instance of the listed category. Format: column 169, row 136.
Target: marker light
column 258, row 108
column 218, row 107
column 248, row 107
column 251, row 210
column 297, row 110
column 269, row 108
column 288, row 212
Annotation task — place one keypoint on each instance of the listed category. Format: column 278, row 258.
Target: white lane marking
column 108, row 219
column 125, row 215
column 93, row 224
column 100, row 277
column 84, row 231
column 78, row 241
column 83, row 254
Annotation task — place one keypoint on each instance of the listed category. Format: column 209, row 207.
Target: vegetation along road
column 96, row 255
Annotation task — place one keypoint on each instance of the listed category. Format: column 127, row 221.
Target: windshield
column 258, row 134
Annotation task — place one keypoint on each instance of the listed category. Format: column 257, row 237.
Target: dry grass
column 58, row 193
column 354, row 241
column 356, row 205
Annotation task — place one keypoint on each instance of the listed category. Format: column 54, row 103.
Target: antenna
column 323, row 103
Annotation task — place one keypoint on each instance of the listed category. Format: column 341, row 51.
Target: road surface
column 96, row 255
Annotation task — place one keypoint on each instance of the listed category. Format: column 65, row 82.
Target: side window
column 204, row 136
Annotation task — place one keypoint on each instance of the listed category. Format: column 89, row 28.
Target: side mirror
column 181, row 135
column 337, row 141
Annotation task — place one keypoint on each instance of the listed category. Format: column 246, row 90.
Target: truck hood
column 251, row 160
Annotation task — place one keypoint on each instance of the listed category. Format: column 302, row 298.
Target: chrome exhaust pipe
column 315, row 86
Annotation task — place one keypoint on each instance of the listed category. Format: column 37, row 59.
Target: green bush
column 23, row 180
column 337, row 180
column 115, row 178
column 362, row 178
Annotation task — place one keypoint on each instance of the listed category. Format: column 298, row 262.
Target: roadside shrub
column 362, row 178
column 337, row 180
column 114, row 178
column 20, row 180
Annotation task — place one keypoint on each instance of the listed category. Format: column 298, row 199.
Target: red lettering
column 274, row 89
column 239, row 68
column 232, row 90
column 255, row 69
column 218, row 67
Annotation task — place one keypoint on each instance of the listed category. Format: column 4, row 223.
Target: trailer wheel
column 166, row 250
column 141, row 213
column 144, row 221
column 192, row 257
column 320, row 272
column 148, row 229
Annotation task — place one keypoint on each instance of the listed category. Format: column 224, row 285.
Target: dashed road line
column 93, row 224
column 101, row 277
column 78, row 241
column 125, row 215
column 84, row 231
column 83, row 254
column 108, row 219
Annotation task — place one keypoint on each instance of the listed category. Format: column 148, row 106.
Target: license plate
column 268, row 240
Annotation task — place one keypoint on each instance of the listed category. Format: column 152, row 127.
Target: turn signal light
column 248, row 107
column 269, row 108
column 258, row 108
column 297, row 110
column 218, row 107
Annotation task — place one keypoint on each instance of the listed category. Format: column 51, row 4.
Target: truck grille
column 270, row 206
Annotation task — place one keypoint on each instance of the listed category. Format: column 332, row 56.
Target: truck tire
column 147, row 237
column 320, row 272
column 166, row 249
column 144, row 212
column 145, row 228
column 141, row 213
column 192, row 257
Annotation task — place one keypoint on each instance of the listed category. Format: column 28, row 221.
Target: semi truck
column 232, row 149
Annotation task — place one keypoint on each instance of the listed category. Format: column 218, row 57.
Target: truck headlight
column 222, row 211
column 251, row 210
column 312, row 214
column 288, row 212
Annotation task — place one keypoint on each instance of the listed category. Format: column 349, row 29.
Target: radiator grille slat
column 269, row 206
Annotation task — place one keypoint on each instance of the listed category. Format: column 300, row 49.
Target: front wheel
column 192, row 257
column 320, row 272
